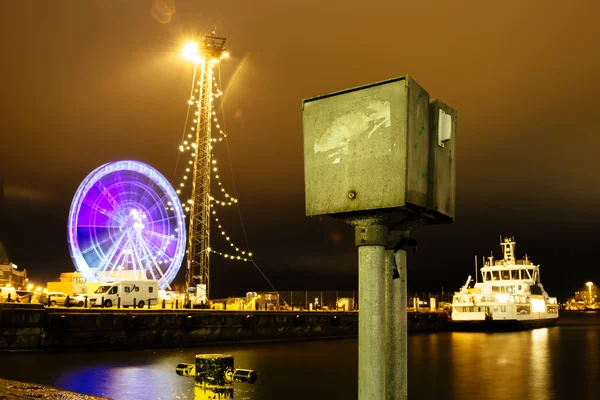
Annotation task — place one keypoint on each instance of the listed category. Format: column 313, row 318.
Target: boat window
column 488, row 276
column 495, row 275
column 514, row 274
column 527, row 273
column 523, row 310
column 505, row 275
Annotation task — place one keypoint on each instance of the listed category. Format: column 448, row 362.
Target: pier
column 33, row 327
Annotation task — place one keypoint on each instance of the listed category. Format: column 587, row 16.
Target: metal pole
column 396, row 297
column 371, row 240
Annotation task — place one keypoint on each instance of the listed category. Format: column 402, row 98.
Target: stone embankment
column 32, row 327
column 21, row 390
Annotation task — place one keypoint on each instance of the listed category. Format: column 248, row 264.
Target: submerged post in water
column 214, row 376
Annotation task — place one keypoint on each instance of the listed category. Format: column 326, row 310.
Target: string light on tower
column 198, row 142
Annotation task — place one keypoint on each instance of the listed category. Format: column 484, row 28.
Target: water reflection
column 491, row 366
column 591, row 365
column 547, row 364
column 539, row 379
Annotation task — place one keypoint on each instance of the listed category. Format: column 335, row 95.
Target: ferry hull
column 501, row 325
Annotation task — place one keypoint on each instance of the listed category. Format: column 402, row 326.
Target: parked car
column 77, row 300
column 53, row 298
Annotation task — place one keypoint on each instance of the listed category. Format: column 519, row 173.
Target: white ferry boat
column 510, row 296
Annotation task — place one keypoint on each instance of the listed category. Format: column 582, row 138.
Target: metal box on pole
column 366, row 148
column 442, row 165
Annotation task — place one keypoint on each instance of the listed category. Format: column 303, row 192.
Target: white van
column 142, row 292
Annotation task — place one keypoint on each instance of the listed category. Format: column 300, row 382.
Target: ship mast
column 509, row 250
column 211, row 50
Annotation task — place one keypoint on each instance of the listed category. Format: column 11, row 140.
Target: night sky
column 88, row 82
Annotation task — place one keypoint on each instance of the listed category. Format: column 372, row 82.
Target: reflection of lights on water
column 538, row 335
column 539, row 362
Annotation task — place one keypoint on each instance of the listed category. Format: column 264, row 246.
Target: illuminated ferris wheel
column 126, row 222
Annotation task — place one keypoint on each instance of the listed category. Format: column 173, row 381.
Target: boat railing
column 491, row 298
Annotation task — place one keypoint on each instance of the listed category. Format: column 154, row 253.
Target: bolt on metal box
column 367, row 148
column 442, row 161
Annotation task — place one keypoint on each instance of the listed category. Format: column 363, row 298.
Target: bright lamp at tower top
column 210, row 48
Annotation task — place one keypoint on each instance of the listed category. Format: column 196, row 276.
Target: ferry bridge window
column 505, row 275
column 488, row 276
column 495, row 275
column 514, row 274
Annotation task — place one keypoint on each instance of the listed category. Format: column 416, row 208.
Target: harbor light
column 589, row 285
column 30, row 286
column 190, row 51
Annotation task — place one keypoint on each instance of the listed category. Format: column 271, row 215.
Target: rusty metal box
column 367, row 148
column 442, row 161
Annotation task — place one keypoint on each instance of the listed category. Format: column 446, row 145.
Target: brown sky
column 87, row 82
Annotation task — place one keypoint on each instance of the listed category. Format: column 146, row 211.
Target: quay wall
column 22, row 390
column 33, row 327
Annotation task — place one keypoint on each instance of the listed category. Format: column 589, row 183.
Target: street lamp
column 589, row 285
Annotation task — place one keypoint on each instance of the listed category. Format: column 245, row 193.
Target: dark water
column 561, row 362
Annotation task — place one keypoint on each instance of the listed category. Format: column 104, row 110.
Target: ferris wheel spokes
column 111, row 253
column 154, row 263
column 112, row 216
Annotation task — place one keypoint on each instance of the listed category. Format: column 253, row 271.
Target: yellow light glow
column 29, row 287
column 225, row 54
column 538, row 305
column 190, row 51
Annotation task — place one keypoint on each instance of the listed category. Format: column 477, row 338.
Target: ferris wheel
column 126, row 221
